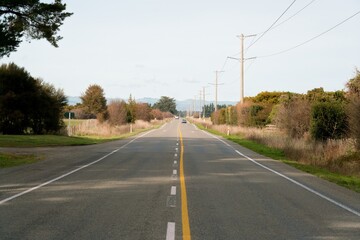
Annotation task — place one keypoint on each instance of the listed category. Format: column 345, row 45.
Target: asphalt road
column 170, row 184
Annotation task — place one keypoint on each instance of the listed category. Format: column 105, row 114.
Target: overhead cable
column 311, row 39
column 271, row 26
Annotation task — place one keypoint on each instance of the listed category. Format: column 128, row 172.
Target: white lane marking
column 69, row 173
column 218, row 139
column 163, row 126
column 174, row 172
column 173, row 190
column 177, row 144
column 175, row 154
column 170, row 232
column 176, row 149
column 302, row 185
column 175, row 162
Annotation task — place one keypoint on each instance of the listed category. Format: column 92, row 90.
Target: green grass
column 350, row 182
column 24, row 141
column 57, row 140
column 45, row 141
column 11, row 159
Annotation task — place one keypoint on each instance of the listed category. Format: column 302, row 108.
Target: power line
column 311, row 39
column 277, row 25
column 272, row 24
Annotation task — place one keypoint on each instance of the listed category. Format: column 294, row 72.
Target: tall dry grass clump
column 92, row 127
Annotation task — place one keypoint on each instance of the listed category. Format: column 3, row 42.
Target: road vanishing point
column 175, row 182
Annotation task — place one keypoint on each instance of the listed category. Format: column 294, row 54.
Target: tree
column 292, row 115
column 353, row 109
column 142, row 111
column 166, row 104
column 209, row 109
column 29, row 18
column 94, row 101
column 131, row 110
column 117, row 112
column 28, row 105
column 267, row 97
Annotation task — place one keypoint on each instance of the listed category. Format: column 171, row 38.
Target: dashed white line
column 170, row 232
column 174, row 172
column 173, row 190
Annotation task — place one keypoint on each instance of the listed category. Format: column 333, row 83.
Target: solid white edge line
column 302, row 185
column 170, row 231
column 173, row 190
column 218, row 139
column 353, row 211
column 69, row 173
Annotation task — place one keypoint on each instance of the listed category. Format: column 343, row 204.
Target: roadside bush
column 142, row 112
column 253, row 114
column 328, row 121
column 293, row 116
column 156, row 114
column 117, row 111
column 353, row 109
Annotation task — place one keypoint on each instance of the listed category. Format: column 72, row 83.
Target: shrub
column 117, row 111
column 328, row 121
column 253, row 114
column 353, row 109
column 293, row 116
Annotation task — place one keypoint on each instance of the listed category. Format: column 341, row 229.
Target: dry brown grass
column 335, row 155
column 92, row 127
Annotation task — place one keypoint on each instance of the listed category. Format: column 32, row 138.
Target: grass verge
column 349, row 182
column 12, row 159
column 45, row 141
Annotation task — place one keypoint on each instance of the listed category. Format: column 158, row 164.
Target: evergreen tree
column 31, row 19
column 94, row 101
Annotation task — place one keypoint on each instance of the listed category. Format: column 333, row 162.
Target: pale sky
column 153, row 48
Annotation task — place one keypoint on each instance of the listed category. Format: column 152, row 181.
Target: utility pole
column 241, row 60
column 200, row 97
column 241, row 68
column 194, row 106
column 216, row 87
column 204, row 102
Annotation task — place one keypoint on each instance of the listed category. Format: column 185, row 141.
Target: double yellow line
column 184, row 207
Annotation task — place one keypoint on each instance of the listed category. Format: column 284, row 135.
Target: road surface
column 176, row 182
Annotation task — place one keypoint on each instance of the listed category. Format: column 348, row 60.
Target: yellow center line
column 184, row 207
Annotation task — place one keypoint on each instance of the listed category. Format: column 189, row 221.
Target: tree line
column 118, row 112
column 323, row 115
column 29, row 105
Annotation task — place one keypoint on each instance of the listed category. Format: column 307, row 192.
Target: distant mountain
column 181, row 105
column 184, row 105
column 73, row 100
column 151, row 101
